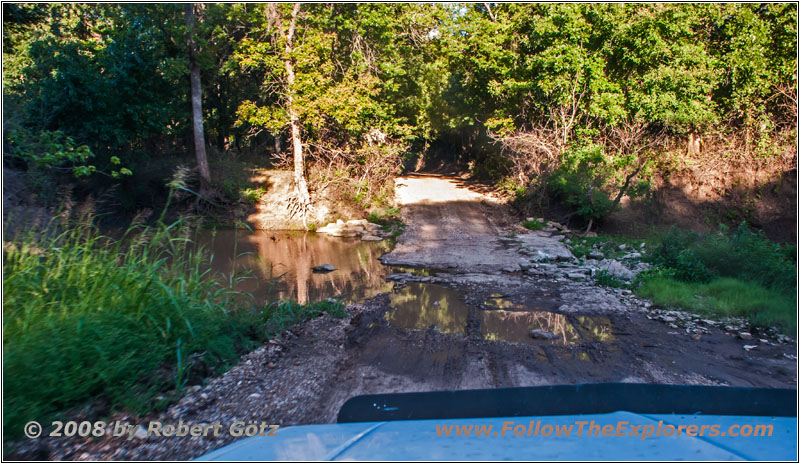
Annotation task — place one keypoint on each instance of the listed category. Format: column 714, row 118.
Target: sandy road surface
column 449, row 226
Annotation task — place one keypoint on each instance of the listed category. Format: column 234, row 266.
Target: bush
column 86, row 316
column 738, row 274
column 745, row 255
column 533, row 225
column 579, row 180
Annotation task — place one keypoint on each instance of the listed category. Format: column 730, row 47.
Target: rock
column 370, row 238
column 539, row 334
column 596, row 255
column 617, row 269
column 632, row 255
column 750, row 347
column 790, row 356
column 591, row 234
column 764, row 341
column 745, row 335
column 323, row 268
column 542, row 249
column 622, row 247
column 576, row 276
column 351, row 228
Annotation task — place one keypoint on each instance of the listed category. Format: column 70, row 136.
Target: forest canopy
column 584, row 101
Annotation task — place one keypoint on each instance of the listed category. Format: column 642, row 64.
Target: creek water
column 278, row 265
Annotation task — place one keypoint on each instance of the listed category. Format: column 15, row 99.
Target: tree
column 287, row 37
column 197, row 102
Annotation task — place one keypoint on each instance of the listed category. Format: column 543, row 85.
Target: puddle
column 415, row 271
column 269, row 254
column 531, row 301
column 515, row 326
column 420, row 306
column 498, row 301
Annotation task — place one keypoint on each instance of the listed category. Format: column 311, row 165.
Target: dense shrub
column 743, row 254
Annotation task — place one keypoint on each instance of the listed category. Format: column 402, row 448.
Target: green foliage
column 122, row 320
column 724, row 274
column 743, row 254
column 580, row 179
column 253, row 195
column 606, row 279
column 725, row 297
column 50, row 150
column 533, row 225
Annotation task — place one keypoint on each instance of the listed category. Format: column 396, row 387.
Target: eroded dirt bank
column 460, row 321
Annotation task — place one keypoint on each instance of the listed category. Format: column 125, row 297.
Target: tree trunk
column 197, row 102
column 277, row 144
column 301, row 188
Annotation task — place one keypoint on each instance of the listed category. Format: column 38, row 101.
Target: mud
column 465, row 325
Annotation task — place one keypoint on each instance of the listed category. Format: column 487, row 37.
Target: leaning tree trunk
column 197, row 102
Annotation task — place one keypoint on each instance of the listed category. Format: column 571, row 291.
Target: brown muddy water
column 278, row 264
column 428, row 306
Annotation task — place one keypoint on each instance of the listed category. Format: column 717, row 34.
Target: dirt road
column 460, row 320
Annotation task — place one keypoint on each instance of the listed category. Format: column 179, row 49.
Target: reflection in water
column 498, row 301
column 420, row 306
column 290, row 255
column 515, row 326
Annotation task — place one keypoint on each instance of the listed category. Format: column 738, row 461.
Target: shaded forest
column 568, row 106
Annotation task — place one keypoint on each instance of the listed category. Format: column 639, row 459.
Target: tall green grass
column 725, row 297
column 86, row 316
column 739, row 273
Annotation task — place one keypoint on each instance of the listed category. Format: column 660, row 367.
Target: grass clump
column 88, row 317
column 606, row 279
column 389, row 220
column 534, row 224
column 727, row 274
column 609, row 245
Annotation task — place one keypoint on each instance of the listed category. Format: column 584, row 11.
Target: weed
column 606, row 279
column 253, row 195
column 533, row 225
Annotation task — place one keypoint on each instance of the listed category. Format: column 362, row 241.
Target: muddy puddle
column 422, row 306
column 278, row 264
column 428, row 306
